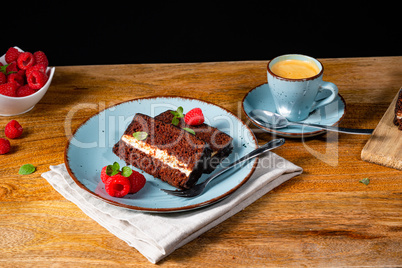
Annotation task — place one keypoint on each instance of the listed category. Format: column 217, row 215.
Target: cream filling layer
column 157, row 153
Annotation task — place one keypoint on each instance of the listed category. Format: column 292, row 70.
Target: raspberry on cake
column 219, row 142
column 194, row 117
column 166, row 152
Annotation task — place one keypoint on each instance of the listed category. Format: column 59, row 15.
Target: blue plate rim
column 160, row 210
column 290, row 134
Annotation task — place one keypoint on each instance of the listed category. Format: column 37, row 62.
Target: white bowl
column 18, row 105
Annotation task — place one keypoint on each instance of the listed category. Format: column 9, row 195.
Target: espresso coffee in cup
column 294, row 81
column 295, row 69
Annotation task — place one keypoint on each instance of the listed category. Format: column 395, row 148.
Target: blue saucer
column 261, row 98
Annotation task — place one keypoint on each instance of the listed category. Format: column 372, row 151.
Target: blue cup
column 295, row 98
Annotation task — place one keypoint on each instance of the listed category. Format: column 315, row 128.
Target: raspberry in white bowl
column 19, row 93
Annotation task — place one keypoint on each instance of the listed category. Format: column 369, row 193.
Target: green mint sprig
column 365, row 181
column 140, row 135
column 177, row 114
column 189, row 130
column 113, row 169
column 3, row 69
column 27, row 169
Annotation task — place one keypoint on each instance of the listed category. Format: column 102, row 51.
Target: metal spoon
column 273, row 120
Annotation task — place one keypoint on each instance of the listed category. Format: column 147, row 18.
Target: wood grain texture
column 385, row 145
column 323, row 217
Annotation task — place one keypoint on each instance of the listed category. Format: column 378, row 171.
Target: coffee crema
column 295, row 69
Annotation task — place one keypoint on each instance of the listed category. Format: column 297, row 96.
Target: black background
column 195, row 31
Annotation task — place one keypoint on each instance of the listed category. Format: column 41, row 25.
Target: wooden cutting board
column 385, row 144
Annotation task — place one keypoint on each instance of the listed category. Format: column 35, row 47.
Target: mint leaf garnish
column 126, row 171
column 177, row 114
column 116, row 166
column 112, row 170
column 365, row 181
column 189, row 130
column 180, row 111
column 175, row 121
column 26, row 169
column 140, row 135
column 3, row 69
column 109, row 170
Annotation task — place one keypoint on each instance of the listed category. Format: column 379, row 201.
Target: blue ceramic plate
column 90, row 149
column 261, row 98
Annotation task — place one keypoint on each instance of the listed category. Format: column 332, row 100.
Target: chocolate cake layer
column 168, row 153
column 219, row 142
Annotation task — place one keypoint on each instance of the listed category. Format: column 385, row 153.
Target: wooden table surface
column 323, row 217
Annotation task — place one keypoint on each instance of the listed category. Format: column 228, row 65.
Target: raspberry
column 104, row 176
column 8, row 89
column 4, row 146
column 137, row 181
column 25, row 60
column 22, row 73
column 194, row 117
column 40, row 58
column 37, row 67
column 12, row 54
column 12, row 67
column 13, row 129
column 117, row 186
column 36, row 79
column 16, row 79
column 25, row 91
column 3, row 78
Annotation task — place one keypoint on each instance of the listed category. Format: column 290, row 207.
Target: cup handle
column 334, row 92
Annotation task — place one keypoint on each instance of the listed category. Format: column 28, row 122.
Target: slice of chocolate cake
column 165, row 151
column 398, row 111
column 219, row 142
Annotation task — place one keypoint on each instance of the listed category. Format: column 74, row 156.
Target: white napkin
column 157, row 235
